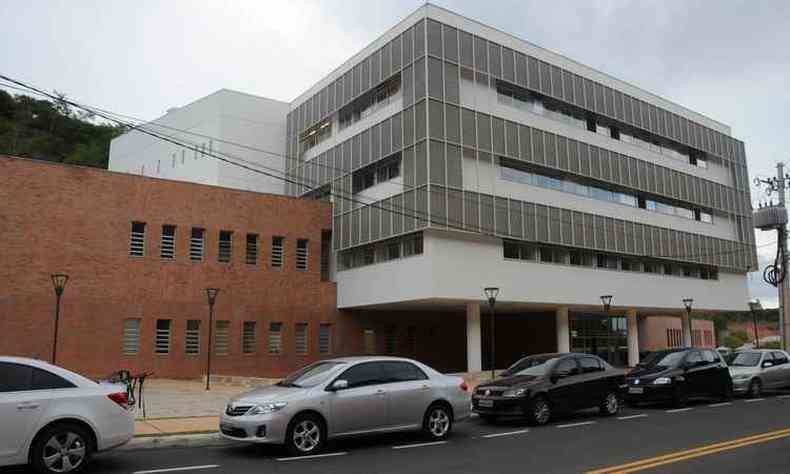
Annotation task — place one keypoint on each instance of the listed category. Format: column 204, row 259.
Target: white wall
column 459, row 267
column 255, row 122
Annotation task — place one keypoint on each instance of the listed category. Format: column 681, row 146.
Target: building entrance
column 601, row 335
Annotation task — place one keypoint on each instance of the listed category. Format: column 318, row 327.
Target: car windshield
column 310, row 376
column 537, row 365
column 746, row 359
column 663, row 359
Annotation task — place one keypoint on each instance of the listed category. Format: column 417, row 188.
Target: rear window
column 402, row 372
column 43, row 380
column 15, row 377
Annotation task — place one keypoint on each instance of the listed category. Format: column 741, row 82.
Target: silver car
column 347, row 396
column 755, row 370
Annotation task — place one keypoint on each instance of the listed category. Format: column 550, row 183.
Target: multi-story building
column 511, row 166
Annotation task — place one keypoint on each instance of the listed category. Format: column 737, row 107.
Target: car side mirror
column 767, row 364
column 554, row 378
column 338, row 384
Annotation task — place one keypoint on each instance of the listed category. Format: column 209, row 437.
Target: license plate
column 636, row 390
column 485, row 403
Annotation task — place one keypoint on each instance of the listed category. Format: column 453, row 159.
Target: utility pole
column 784, row 289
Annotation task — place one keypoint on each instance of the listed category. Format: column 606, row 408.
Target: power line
column 111, row 116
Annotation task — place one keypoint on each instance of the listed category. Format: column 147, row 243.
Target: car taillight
column 464, row 387
column 121, row 398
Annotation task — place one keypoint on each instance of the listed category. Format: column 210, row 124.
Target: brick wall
column 653, row 333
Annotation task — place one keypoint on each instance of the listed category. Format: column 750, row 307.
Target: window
column 15, row 377
column 137, row 240
column 709, row 357
column 325, row 339
column 221, row 337
column 694, row 359
column 225, row 246
column 566, row 367
column 362, row 375
column 162, row 339
column 411, row 339
column 780, row 358
column 377, row 173
column 393, row 250
column 402, row 372
column 275, row 338
column 326, row 254
column 168, row 244
column 192, row 337
column 44, row 380
column 252, row 249
column 590, row 364
column 391, row 342
column 277, row 251
column 300, row 339
column 248, row 337
column 131, row 336
column 369, row 341
column 196, row 244
column 302, row 254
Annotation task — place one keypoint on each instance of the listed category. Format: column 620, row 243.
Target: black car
column 675, row 375
column 540, row 386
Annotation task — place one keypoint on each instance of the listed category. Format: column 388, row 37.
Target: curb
column 181, row 440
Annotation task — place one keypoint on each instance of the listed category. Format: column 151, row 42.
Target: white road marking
column 473, row 415
column 783, row 396
column 679, row 410
column 175, row 469
column 631, row 417
column 419, row 445
column 327, row 455
column 571, row 425
column 509, row 433
column 750, row 400
column 722, row 404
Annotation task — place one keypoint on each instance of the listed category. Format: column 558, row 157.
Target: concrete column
column 473, row 345
column 563, row 330
column 686, row 327
column 633, row 337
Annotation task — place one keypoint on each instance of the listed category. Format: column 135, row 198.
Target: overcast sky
column 729, row 60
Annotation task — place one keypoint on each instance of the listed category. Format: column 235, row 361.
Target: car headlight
column 517, row 392
column 662, row 381
column 266, row 408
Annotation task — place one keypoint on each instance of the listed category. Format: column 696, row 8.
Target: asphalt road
column 707, row 437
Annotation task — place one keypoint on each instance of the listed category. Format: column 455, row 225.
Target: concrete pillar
column 686, row 328
column 563, row 330
column 473, row 344
column 633, row 337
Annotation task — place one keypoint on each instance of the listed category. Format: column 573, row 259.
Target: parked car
column 540, row 386
column 54, row 419
column 760, row 369
column 347, row 396
column 675, row 375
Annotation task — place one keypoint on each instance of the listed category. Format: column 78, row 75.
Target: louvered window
column 168, row 244
column 302, row 254
column 252, row 249
column 301, row 339
column 225, row 246
column 131, row 336
column 222, row 337
column 277, row 251
column 275, row 338
column 137, row 240
column 325, row 339
column 248, row 337
column 196, row 244
column 192, row 340
column 162, row 340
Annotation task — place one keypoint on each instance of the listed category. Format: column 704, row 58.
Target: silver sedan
column 753, row 371
column 344, row 397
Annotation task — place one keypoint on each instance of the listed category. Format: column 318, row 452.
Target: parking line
column 300, row 458
column 679, row 410
column 631, row 417
column 571, row 425
column 509, row 433
column 750, row 400
column 722, row 404
column 783, row 396
column 419, row 445
column 175, row 469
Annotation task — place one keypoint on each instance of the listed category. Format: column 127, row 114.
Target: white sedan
column 54, row 419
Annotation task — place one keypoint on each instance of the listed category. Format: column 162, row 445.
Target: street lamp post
column 491, row 294
column 59, row 281
column 754, row 306
column 606, row 300
column 688, row 302
column 212, row 297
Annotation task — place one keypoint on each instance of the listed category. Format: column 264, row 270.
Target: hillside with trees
column 52, row 131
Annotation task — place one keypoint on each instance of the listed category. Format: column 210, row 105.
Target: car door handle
column 425, row 387
column 380, row 393
column 27, row 406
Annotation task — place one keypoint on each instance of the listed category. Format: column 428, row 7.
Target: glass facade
column 601, row 335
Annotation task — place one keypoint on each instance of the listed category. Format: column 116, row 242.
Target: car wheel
column 680, row 398
column 63, row 448
column 306, row 435
column 755, row 388
column 539, row 412
column 437, row 422
column 610, row 405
